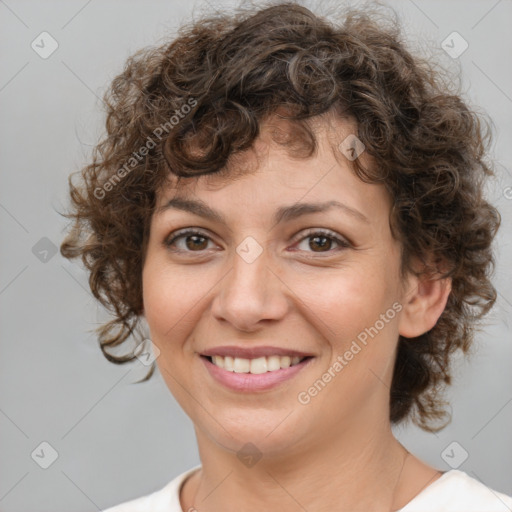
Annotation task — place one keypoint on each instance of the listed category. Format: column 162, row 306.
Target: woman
column 295, row 209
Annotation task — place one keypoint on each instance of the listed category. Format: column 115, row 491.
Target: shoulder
column 456, row 491
column 166, row 499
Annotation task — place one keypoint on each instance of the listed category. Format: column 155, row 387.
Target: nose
column 249, row 294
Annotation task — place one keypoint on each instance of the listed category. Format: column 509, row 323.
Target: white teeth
column 273, row 363
column 259, row 365
column 228, row 363
column 219, row 361
column 255, row 366
column 241, row 365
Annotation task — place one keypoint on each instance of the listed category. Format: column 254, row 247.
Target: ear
column 424, row 301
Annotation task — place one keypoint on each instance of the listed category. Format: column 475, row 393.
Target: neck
column 358, row 470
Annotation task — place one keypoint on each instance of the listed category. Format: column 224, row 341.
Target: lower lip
column 253, row 382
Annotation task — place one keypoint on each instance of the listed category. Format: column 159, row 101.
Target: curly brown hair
column 186, row 106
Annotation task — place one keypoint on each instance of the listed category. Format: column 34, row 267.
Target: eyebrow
column 284, row 213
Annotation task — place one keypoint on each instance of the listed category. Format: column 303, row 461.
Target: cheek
column 346, row 302
column 168, row 297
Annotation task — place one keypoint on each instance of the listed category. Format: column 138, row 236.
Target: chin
column 268, row 435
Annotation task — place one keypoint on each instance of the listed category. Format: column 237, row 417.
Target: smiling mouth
column 258, row 365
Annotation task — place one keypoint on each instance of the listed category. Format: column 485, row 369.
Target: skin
column 337, row 452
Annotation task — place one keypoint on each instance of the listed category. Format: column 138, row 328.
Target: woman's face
column 322, row 281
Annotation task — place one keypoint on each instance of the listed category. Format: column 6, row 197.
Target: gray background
column 116, row 441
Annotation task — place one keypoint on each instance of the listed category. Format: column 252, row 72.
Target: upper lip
column 253, row 352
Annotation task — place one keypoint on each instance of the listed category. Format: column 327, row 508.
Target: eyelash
column 310, row 234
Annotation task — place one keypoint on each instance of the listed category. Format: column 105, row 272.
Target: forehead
column 275, row 168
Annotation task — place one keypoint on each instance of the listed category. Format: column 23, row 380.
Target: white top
column 454, row 491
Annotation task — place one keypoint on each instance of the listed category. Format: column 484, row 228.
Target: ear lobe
column 424, row 303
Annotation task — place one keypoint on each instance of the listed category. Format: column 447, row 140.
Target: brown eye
column 194, row 241
column 322, row 241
